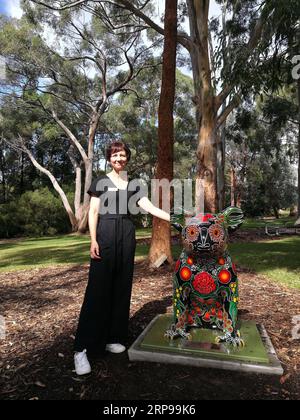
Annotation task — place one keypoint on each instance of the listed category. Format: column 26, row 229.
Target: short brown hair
column 115, row 147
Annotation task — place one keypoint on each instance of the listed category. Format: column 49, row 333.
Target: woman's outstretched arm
column 146, row 205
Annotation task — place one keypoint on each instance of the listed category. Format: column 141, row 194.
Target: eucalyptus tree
column 260, row 152
column 134, row 117
column 281, row 109
column 223, row 75
column 280, row 81
column 71, row 65
column 161, row 237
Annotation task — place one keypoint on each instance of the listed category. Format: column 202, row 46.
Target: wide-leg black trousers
column 105, row 311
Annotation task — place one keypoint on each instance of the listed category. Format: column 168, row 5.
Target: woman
column 103, row 320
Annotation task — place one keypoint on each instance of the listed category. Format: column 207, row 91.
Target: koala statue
column 205, row 280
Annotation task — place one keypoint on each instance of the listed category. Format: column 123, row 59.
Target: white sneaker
column 115, row 348
column 82, row 365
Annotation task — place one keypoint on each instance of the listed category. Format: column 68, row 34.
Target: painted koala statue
column 205, row 280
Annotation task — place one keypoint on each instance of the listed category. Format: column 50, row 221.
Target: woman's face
column 118, row 160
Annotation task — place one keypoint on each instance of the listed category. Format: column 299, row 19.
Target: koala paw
column 234, row 340
column 174, row 332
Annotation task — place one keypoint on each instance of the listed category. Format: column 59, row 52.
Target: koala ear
column 177, row 218
column 233, row 218
column 177, row 226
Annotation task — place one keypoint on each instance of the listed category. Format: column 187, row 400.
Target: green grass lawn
column 256, row 223
column 278, row 260
column 44, row 252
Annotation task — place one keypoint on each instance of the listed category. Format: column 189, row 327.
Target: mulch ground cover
column 41, row 309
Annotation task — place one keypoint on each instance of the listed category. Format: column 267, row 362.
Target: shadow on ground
column 41, row 308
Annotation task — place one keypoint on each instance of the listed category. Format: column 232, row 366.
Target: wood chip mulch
column 41, row 309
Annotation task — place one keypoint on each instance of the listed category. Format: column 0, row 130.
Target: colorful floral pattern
column 185, row 274
column 205, row 284
column 192, row 233
column 216, row 233
column 224, row 276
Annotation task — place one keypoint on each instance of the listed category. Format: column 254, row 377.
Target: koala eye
column 216, row 233
column 192, row 233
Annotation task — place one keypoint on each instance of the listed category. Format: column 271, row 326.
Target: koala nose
column 203, row 238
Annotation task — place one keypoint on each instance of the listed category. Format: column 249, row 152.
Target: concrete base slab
column 258, row 356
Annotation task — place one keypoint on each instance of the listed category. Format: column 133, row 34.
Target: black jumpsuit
column 105, row 311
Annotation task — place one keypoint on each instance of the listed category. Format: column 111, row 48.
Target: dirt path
column 41, row 308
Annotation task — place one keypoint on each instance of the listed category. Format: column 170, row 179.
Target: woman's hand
column 95, row 250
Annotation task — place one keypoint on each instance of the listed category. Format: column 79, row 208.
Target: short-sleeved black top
column 115, row 200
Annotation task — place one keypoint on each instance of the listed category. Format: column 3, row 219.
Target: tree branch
column 183, row 38
column 236, row 100
column 20, row 146
column 70, row 135
column 64, row 7
column 252, row 44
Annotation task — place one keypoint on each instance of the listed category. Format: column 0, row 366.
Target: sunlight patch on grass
column 278, row 260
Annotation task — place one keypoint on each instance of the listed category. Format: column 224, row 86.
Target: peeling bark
column 233, row 188
column 161, row 236
column 57, row 187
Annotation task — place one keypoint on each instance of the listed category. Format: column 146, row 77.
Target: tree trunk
column 298, row 148
column 77, row 170
column 239, row 200
column 197, row 45
column 3, row 178
column 233, row 188
column 161, row 233
column 207, row 140
column 207, row 160
column 22, row 174
column 58, row 188
column 293, row 211
column 89, row 161
column 195, row 63
column 221, row 185
column 77, row 198
column 87, row 158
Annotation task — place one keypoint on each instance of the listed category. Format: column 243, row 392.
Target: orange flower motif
column 227, row 325
column 224, row 276
column 222, row 261
column 220, row 314
column 185, row 273
column 213, row 311
column 207, row 317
